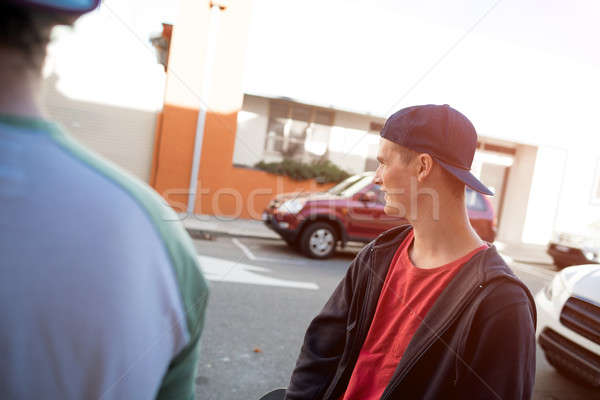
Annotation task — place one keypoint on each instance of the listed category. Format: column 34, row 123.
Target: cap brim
column 467, row 178
column 76, row 7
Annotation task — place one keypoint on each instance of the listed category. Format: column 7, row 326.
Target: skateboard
column 277, row 394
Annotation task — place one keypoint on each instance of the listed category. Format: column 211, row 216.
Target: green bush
column 322, row 171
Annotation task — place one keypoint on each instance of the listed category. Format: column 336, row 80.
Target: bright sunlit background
column 525, row 72
column 512, row 68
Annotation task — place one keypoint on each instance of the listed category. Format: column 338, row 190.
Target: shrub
column 323, row 171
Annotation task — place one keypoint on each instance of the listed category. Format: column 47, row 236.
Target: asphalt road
column 263, row 295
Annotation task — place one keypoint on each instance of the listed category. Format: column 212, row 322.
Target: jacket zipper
column 361, row 317
column 359, row 325
column 396, row 380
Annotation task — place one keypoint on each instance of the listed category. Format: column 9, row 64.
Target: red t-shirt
column 407, row 295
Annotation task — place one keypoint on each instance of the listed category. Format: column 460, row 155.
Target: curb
column 199, row 233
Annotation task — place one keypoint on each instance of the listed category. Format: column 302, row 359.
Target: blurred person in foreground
column 100, row 295
column 427, row 310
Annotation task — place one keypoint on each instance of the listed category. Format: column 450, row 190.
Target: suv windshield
column 475, row 200
column 355, row 186
column 339, row 188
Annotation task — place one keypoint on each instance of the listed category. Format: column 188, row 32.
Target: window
column 475, row 201
column 379, row 193
column 356, row 187
column 343, row 185
column 296, row 129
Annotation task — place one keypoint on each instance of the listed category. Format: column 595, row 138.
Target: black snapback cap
column 442, row 132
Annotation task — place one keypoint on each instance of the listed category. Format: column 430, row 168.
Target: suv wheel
column 318, row 240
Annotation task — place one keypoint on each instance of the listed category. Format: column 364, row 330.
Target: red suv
column 351, row 211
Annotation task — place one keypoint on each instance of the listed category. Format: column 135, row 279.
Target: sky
column 526, row 71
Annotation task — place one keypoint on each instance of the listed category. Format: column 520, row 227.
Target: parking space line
column 220, row 270
column 252, row 257
column 245, row 249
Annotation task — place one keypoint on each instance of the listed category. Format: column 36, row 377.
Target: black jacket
column 476, row 342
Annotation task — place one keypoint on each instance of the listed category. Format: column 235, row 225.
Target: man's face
column 395, row 177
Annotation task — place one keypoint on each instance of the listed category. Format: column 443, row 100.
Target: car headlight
column 590, row 250
column 589, row 254
column 292, row 206
column 556, row 287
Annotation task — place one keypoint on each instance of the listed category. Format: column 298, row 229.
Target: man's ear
column 424, row 166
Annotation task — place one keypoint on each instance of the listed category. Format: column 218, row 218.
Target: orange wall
column 246, row 192
column 173, row 154
column 222, row 188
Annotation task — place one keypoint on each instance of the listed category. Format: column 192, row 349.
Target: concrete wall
column 123, row 135
column 492, row 175
column 252, row 123
column 514, row 210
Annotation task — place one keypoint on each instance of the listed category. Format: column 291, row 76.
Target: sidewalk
column 222, row 226
column 210, row 225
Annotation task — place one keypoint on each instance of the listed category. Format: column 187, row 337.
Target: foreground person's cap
column 442, row 132
column 75, row 7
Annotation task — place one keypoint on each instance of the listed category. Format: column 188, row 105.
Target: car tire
column 318, row 240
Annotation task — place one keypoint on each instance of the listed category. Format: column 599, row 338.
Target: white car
column 569, row 322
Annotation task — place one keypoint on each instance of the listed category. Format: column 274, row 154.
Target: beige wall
column 207, row 54
column 492, row 175
column 125, row 136
column 252, row 124
column 514, row 210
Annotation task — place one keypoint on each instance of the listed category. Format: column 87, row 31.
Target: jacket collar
column 482, row 268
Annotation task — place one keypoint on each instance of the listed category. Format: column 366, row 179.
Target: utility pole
column 215, row 12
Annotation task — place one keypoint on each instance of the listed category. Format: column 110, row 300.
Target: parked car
column 353, row 211
column 572, row 249
column 569, row 322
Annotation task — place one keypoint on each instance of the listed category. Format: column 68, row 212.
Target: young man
column 101, row 295
column 426, row 310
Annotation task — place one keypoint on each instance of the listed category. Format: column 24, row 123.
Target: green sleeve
column 179, row 381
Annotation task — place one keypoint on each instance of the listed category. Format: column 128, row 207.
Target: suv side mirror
column 368, row 197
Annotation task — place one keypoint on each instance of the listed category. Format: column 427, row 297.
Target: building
column 200, row 149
